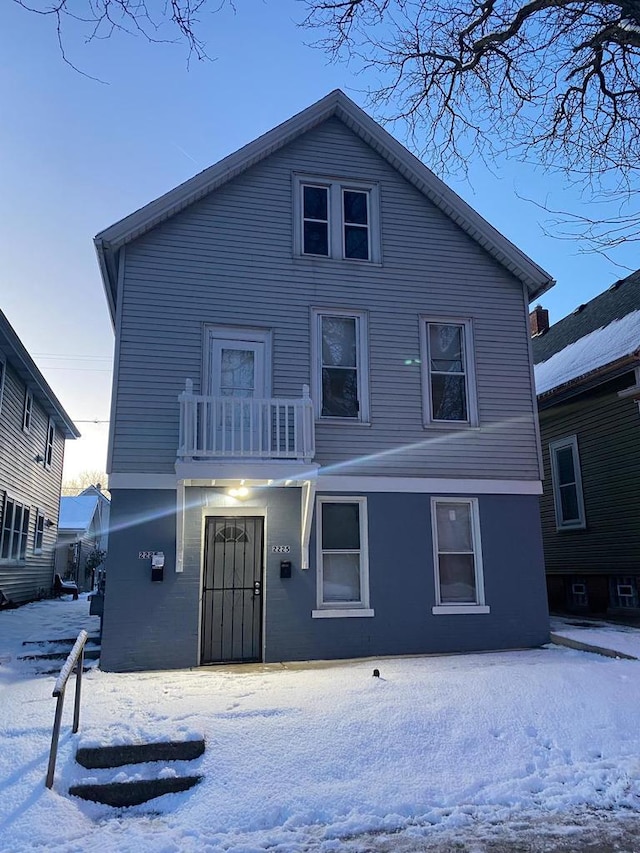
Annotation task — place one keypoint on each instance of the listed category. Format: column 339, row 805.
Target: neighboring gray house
column 83, row 527
column 588, row 381
column 324, row 438
column 33, row 429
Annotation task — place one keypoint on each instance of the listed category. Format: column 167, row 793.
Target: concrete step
column 89, row 654
column 56, row 672
column 92, row 640
column 122, row 794
column 139, row 753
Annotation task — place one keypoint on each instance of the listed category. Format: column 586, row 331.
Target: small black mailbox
column 285, row 568
column 157, row 573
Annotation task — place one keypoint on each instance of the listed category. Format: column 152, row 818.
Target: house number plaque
column 281, row 549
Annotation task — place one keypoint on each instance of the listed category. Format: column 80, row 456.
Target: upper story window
column 27, row 412
column 340, row 364
column 3, row 370
column 48, row 451
column 15, row 529
column 567, row 484
column 448, row 376
column 337, row 219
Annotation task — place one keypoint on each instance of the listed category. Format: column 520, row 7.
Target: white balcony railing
column 245, row 427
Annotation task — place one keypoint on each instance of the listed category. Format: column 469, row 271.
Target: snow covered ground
column 473, row 752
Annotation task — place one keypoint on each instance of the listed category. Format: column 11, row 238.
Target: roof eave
column 29, row 371
column 588, row 380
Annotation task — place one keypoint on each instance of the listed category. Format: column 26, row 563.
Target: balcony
column 216, row 428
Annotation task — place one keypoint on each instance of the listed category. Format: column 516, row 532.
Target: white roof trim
column 109, row 241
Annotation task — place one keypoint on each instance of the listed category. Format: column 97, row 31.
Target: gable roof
column 76, row 513
column 14, row 351
column 596, row 339
column 336, row 104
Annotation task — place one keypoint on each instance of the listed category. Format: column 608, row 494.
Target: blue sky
column 76, row 155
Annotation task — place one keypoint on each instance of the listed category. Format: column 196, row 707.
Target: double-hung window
column 340, row 364
column 337, row 219
column 27, row 412
column 15, row 530
column 48, row 450
column 567, row 484
column 342, row 557
column 449, row 396
column 457, row 556
column 38, row 533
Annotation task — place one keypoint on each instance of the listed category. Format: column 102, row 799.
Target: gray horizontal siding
column 28, row 482
column 608, row 431
column 229, row 260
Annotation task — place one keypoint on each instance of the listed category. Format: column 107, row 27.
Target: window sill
column 325, row 259
column 337, row 613
column 342, row 421
column 459, row 609
column 457, row 425
column 567, row 528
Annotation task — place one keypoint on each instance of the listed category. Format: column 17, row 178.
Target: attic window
column 336, row 219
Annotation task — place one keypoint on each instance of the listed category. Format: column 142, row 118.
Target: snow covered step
column 89, row 654
column 92, row 640
column 122, row 794
column 139, row 753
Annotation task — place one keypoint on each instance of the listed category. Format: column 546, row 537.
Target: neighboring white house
column 83, row 527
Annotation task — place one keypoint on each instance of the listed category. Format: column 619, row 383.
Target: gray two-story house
column 33, row 429
column 324, row 439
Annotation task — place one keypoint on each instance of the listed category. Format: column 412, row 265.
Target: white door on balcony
column 236, row 378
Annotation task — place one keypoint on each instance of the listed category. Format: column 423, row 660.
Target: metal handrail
column 74, row 659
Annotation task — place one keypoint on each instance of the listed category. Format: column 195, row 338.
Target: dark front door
column 232, row 590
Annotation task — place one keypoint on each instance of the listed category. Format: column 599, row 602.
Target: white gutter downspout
column 307, row 497
column 180, row 505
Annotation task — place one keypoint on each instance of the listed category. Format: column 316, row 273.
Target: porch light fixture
column 241, row 492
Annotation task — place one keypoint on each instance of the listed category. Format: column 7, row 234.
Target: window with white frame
column 340, row 364
column 342, row 556
column 567, row 484
column 337, row 219
column 457, row 556
column 27, row 412
column 449, row 395
column 48, row 451
column 38, row 533
column 15, row 530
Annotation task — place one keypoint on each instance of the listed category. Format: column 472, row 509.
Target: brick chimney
column 538, row 321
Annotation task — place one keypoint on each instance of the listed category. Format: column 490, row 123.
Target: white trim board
column 429, row 485
column 420, row 485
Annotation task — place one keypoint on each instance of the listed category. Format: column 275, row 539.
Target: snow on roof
column 77, row 513
column 597, row 349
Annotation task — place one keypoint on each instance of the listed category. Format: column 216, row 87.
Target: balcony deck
column 215, row 428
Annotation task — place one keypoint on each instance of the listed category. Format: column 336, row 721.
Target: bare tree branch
column 556, row 81
column 160, row 21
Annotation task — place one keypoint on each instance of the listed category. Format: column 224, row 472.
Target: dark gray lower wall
column 156, row 625
column 402, row 588
column 146, row 625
